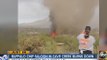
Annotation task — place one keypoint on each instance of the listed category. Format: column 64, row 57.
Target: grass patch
column 44, row 44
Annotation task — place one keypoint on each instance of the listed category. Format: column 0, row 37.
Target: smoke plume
column 72, row 15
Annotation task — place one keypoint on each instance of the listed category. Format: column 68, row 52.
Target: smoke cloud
column 66, row 15
column 73, row 15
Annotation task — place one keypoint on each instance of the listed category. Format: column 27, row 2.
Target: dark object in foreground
column 86, row 52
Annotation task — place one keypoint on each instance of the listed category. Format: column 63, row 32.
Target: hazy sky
column 31, row 10
column 95, row 19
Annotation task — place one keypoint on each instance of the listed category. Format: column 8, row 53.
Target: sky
column 95, row 19
column 31, row 10
column 34, row 10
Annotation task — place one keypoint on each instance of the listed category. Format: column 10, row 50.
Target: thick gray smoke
column 72, row 15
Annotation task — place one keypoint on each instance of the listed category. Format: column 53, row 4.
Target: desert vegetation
column 42, row 43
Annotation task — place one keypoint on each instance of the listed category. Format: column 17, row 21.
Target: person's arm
column 79, row 36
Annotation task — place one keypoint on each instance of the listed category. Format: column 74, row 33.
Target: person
column 86, row 41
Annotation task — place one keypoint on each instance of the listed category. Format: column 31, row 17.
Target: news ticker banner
column 25, row 55
column 49, row 57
